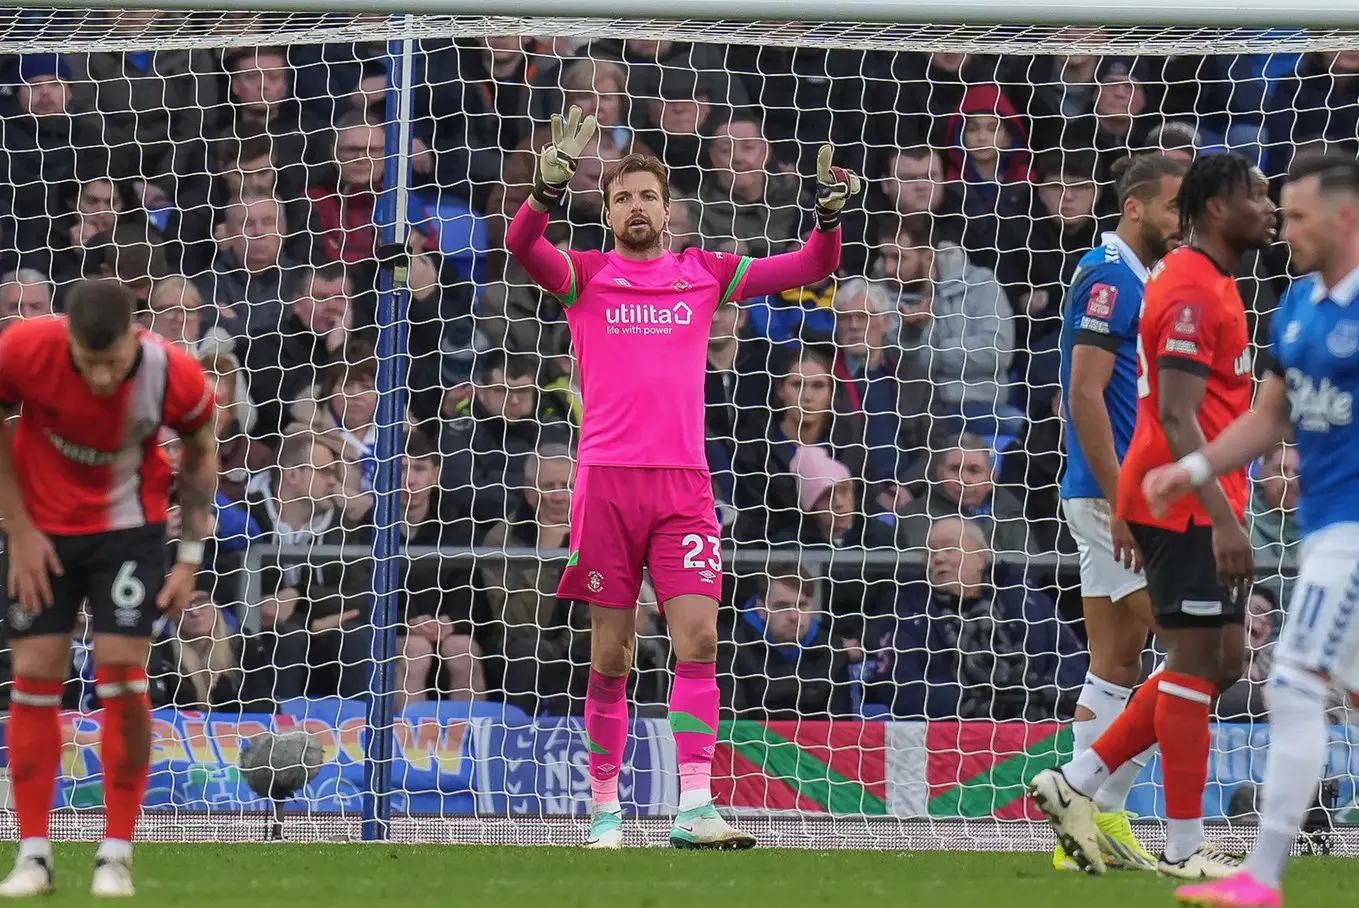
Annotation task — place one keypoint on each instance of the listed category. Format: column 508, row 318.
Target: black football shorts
column 120, row 573
column 1182, row 578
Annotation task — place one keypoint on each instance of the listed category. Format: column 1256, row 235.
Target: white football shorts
column 1320, row 630
column 1101, row 573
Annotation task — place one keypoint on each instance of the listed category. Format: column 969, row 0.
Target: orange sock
column 34, row 741
column 1133, row 731
column 1183, row 713
column 125, row 748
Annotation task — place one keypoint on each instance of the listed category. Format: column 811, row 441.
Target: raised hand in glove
column 557, row 161
column 834, row 187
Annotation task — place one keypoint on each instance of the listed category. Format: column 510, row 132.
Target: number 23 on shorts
column 693, row 554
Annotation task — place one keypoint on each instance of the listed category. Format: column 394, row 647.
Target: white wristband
column 190, row 553
column 1198, row 468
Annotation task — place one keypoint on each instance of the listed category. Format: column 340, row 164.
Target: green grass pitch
column 438, row 876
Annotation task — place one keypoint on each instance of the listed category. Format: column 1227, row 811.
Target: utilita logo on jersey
column 647, row 318
column 1316, row 408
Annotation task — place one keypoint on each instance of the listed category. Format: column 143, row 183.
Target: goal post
column 877, row 761
column 1197, row 13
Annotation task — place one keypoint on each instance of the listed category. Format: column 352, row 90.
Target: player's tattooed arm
column 198, row 484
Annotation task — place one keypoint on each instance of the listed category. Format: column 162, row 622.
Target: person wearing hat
column 831, row 505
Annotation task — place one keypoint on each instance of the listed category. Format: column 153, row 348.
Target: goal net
column 397, row 433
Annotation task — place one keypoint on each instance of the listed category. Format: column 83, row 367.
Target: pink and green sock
column 693, row 720
column 606, row 733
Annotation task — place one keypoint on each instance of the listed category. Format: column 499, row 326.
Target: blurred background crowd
column 907, row 408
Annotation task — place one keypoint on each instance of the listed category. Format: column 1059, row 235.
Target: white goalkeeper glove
column 834, row 187
column 557, row 161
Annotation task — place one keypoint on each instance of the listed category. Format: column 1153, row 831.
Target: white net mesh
column 229, row 167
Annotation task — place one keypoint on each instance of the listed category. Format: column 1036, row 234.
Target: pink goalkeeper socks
column 606, row 733
column 693, row 720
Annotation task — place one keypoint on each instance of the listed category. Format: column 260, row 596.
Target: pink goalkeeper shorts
column 625, row 518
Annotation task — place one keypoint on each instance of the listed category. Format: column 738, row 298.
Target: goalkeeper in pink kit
column 640, row 318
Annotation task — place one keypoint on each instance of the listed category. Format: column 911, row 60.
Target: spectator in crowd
column 811, row 411
column 971, row 641
column 961, row 482
column 894, row 403
column 274, row 657
column 1245, row 701
column 990, row 162
column 44, row 145
column 239, row 456
column 736, row 395
column 133, row 253
column 491, row 435
column 516, row 315
column 649, row 62
column 778, row 660
column 175, row 311
column 436, row 635
column 201, row 659
column 1124, row 112
column 913, row 183
column 1176, row 139
column 956, row 323
column 25, row 293
column 243, row 167
column 1068, row 197
column 441, row 340
column 284, row 364
column 679, row 121
column 745, row 196
column 344, row 210
column 95, row 209
column 1274, row 530
column 159, row 105
column 1031, row 469
column 545, row 641
column 261, row 101
column 830, row 506
column 599, row 89
column 296, row 505
column 1318, row 101
column 341, row 413
column 250, row 269
column 478, row 108
column 1064, row 89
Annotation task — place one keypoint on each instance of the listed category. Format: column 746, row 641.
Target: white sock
column 1105, row 701
column 36, row 848
column 1298, row 739
column 1183, row 838
column 1086, row 773
column 115, row 850
column 608, row 807
column 694, row 798
column 1112, row 796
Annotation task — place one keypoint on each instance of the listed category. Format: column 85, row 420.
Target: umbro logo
column 622, row 282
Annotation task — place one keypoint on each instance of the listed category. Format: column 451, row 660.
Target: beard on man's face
column 636, row 236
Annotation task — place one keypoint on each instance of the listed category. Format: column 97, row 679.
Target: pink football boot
column 1240, row 891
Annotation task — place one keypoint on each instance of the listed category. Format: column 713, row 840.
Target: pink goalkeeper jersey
column 640, row 331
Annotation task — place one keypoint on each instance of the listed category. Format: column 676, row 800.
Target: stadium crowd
column 907, row 407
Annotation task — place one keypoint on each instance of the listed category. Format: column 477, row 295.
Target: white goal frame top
column 1149, row 13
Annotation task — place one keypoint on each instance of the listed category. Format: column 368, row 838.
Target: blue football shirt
column 1314, row 338
column 1103, row 308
